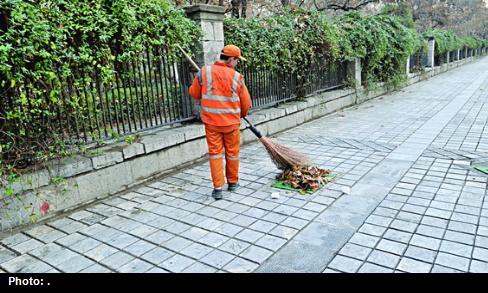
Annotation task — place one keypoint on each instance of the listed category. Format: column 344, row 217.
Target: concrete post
column 448, row 57
column 210, row 18
column 354, row 72
column 407, row 67
column 465, row 52
column 458, row 54
column 431, row 52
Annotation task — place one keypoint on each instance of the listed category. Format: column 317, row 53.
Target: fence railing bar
column 102, row 106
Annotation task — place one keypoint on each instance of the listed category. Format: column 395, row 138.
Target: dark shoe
column 232, row 186
column 217, row 194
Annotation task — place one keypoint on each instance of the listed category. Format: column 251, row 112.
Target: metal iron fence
column 270, row 87
column 418, row 61
column 439, row 59
column 452, row 56
column 142, row 94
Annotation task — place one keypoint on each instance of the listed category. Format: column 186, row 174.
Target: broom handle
column 188, row 58
column 251, row 126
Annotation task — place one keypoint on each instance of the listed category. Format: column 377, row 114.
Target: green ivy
column 286, row 41
column 447, row 41
column 292, row 40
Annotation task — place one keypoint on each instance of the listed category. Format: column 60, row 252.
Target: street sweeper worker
column 224, row 99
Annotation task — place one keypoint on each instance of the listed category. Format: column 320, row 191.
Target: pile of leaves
column 305, row 178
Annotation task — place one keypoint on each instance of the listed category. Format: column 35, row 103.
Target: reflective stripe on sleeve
column 209, row 79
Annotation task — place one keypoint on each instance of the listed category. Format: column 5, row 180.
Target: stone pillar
column 407, row 67
column 458, row 54
column 448, row 57
column 431, row 52
column 465, row 52
column 210, row 18
column 354, row 72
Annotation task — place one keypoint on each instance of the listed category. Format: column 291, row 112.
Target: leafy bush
column 286, row 41
column 382, row 42
column 293, row 39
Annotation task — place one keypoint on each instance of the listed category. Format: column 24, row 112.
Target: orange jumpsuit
column 224, row 100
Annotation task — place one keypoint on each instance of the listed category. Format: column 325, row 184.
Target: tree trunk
column 235, row 8
column 244, row 8
column 3, row 21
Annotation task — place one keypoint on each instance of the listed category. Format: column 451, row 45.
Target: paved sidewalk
column 406, row 200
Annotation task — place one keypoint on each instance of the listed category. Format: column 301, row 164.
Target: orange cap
column 232, row 51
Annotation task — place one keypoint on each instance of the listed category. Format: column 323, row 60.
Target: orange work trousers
column 223, row 141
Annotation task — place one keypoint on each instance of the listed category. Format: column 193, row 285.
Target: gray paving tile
column 100, row 252
column 364, row 240
column 96, row 268
column 6, row 255
column 478, row 267
column 383, row 258
column 256, row 254
column 217, row 259
column 391, row 246
column 430, row 231
column 456, row 248
column 425, row 242
column 196, row 250
column 25, row 264
column 481, row 241
column 157, row 255
column 135, row 266
column 355, row 251
column 240, row 265
column 345, row 264
column 249, row 235
column 177, row 263
column 480, row 254
column 372, row 229
column 421, row 254
column 15, row 239
column 75, row 264
column 116, row 260
column 235, row 246
column 295, row 223
column 199, row 268
column 139, row 247
column 413, row 266
column 262, row 226
column 271, row 242
column 459, row 237
column 373, row 268
column 27, row 246
column 452, row 261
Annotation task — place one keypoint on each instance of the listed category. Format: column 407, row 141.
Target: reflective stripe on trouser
column 220, row 140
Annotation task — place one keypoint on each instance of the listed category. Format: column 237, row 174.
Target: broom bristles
column 283, row 157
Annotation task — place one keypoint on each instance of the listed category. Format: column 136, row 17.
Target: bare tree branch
column 346, row 7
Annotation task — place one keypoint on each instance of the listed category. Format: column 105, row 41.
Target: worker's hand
column 197, row 110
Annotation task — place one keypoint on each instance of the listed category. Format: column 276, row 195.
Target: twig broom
column 283, row 157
